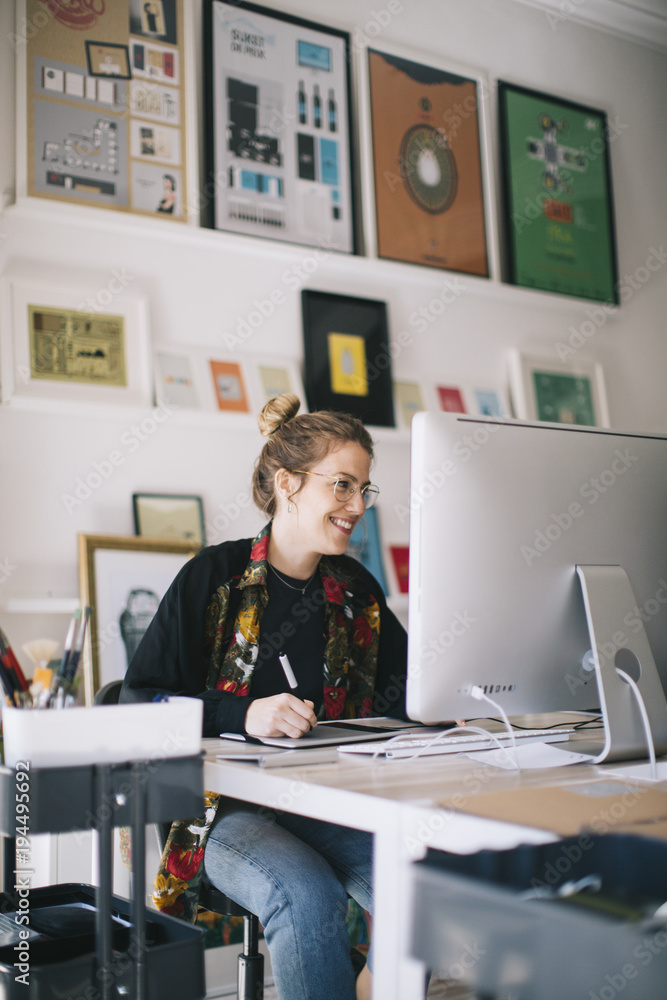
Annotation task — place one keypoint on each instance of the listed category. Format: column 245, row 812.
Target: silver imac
column 538, row 571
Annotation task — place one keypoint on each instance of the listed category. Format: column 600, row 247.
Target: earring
column 289, row 507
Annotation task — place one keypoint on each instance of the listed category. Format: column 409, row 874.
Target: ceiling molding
column 644, row 21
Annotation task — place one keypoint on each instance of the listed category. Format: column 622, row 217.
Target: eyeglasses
column 344, row 488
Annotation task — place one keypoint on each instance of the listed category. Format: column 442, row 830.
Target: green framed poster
column 558, row 204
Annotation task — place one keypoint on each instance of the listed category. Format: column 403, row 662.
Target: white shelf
column 337, row 263
column 236, row 422
column 40, row 605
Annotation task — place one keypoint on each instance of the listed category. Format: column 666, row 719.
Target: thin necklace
column 291, row 586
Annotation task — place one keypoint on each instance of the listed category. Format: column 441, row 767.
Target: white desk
column 395, row 802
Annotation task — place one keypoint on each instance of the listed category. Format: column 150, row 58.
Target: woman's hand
column 280, row 715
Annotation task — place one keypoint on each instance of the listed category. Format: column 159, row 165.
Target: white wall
column 200, row 284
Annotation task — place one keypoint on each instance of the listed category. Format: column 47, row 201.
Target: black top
column 171, row 656
column 293, row 623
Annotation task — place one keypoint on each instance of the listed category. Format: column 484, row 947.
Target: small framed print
column 450, row 399
column 230, row 386
column 347, row 360
column 272, row 376
column 123, row 579
column 409, row 397
column 558, row 392
column 365, row 546
column 176, row 381
column 108, row 60
column 169, row 516
column 488, row 401
column 400, row 559
column 54, row 348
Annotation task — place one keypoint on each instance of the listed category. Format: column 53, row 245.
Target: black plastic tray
column 65, row 966
column 472, row 921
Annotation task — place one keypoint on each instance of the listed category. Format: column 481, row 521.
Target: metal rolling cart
column 91, row 940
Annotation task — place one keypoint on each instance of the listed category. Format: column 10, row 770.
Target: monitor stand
column 608, row 599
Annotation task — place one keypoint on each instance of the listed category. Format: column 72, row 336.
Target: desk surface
column 358, row 779
column 397, row 802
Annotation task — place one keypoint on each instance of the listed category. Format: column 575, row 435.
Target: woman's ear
column 285, row 484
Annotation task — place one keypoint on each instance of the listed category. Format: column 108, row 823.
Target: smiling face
column 321, row 524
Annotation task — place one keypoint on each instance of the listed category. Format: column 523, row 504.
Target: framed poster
column 450, row 398
column 347, row 363
column 104, row 105
column 175, row 380
column 558, row 392
column 427, row 163
column 169, row 516
column 230, row 386
column 365, row 546
column 273, row 375
column 489, row 401
column 123, row 579
column 400, row 558
column 54, row 348
column 409, row 399
column 558, row 205
column 277, row 94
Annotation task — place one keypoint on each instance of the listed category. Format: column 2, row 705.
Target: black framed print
column 278, row 139
column 558, row 204
column 347, row 361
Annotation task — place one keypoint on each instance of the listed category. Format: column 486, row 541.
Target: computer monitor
column 538, row 569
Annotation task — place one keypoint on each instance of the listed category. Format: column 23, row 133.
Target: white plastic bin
column 103, row 734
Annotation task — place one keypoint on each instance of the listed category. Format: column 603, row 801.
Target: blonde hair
column 299, row 441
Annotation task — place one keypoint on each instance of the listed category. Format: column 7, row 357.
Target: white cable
column 645, row 720
column 436, row 739
column 481, row 695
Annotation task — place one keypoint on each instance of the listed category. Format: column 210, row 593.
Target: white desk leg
column 395, row 975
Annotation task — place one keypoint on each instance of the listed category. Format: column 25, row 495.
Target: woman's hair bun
column 277, row 412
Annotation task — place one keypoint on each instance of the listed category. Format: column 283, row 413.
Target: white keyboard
column 454, row 743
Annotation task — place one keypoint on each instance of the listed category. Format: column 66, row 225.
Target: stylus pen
column 289, row 673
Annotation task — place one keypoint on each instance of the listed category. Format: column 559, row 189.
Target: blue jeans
column 295, row 874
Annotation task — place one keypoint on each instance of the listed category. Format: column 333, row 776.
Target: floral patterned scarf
column 231, row 643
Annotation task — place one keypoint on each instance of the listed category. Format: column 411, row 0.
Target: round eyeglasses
column 344, row 488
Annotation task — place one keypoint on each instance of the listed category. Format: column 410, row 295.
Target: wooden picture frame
column 278, row 117
column 119, row 574
column 169, row 516
column 347, row 362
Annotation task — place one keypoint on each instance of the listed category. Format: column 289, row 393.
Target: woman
column 217, row 636
column 168, row 201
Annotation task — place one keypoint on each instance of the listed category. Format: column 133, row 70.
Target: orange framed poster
column 230, row 386
column 427, row 162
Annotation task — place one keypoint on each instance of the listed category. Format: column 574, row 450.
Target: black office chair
column 250, row 965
